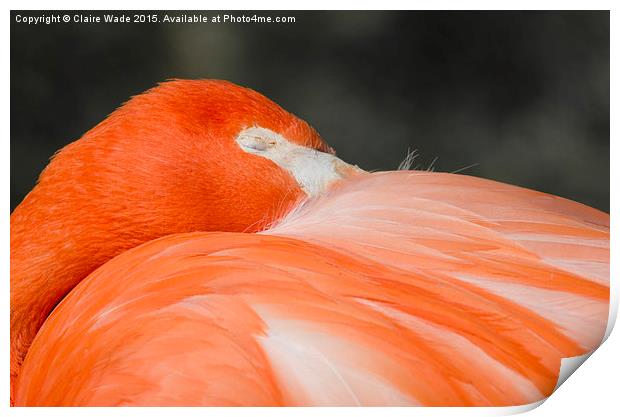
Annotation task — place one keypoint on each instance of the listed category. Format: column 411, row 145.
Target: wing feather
column 396, row 289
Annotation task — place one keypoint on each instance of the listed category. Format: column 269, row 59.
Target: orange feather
column 398, row 288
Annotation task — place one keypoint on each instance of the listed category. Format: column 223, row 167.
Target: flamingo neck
column 49, row 257
column 54, row 247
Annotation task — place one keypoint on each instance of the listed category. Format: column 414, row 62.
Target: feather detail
column 397, row 288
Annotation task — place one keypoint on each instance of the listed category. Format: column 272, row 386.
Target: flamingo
column 203, row 246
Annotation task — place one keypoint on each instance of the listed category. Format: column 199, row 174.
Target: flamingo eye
column 254, row 143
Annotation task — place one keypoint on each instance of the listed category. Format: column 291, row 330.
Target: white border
column 316, row 5
column 593, row 390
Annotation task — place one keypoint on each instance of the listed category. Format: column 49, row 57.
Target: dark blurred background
column 525, row 95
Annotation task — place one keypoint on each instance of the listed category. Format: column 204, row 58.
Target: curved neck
column 57, row 241
column 49, row 257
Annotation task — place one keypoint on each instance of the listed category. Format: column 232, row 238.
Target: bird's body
column 398, row 288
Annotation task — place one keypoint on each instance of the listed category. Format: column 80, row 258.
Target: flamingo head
column 195, row 156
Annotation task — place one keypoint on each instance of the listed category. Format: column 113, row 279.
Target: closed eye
column 256, row 143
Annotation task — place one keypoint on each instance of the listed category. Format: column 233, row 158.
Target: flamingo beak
column 347, row 170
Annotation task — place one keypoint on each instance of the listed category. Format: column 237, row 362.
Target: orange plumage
column 398, row 288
